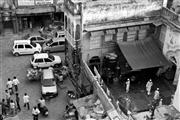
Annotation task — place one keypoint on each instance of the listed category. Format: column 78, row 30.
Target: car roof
column 41, row 55
column 48, row 74
column 21, row 41
column 60, row 32
column 58, row 39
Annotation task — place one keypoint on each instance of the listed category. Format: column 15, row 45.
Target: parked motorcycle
column 43, row 110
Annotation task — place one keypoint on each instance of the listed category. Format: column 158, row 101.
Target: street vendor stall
column 90, row 108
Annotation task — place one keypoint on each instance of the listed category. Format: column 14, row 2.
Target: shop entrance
column 8, row 26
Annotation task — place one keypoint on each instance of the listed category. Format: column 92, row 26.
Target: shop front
column 8, row 20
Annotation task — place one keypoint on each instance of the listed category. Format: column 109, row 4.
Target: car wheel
column 36, row 52
column 16, row 54
column 56, row 65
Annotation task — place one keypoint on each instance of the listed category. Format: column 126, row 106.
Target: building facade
column 91, row 34
column 20, row 15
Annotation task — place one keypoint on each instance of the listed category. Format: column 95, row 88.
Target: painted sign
column 43, row 2
column 25, row 2
column 119, row 9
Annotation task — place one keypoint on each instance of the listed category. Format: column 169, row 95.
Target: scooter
column 43, row 110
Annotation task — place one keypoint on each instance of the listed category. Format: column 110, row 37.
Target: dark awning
column 143, row 54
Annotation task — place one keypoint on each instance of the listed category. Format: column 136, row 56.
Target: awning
column 143, row 54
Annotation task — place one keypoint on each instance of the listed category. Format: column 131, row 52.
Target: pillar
column 165, row 3
column 176, row 77
column 1, row 24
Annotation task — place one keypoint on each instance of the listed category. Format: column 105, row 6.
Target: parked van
column 48, row 83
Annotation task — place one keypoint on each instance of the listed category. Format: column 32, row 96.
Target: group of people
column 8, row 104
column 149, row 85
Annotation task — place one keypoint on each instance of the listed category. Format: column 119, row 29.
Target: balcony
column 170, row 17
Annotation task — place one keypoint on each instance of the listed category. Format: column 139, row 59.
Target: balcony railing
column 171, row 16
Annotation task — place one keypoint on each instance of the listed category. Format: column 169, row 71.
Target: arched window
column 72, row 29
column 65, row 22
column 77, row 35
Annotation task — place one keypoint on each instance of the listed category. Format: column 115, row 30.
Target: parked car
column 54, row 45
column 48, row 83
column 59, row 34
column 21, row 47
column 36, row 38
column 43, row 60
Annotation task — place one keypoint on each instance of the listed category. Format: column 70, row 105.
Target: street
column 17, row 66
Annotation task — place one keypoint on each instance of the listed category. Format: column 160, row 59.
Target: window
column 108, row 37
column 39, row 60
column 20, row 46
column 47, row 60
column 54, row 44
column 15, row 46
column 28, row 46
column 61, row 43
column 40, row 38
column 95, row 42
column 33, row 39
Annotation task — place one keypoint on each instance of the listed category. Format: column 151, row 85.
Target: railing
column 171, row 16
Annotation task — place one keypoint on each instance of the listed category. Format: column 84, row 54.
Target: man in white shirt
column 10, row 85
column 35, row 113
column 26, row 100
column 12, row 107
column 8, row 97
column 42, row 102
column 15, row 83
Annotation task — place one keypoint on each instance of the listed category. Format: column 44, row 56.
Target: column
column 1, row 25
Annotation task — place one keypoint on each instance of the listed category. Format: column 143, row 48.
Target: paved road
column 16, row 66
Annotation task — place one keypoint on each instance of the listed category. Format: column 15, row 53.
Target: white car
column 21, row 47
column 48, row 83
column 37, row 39
column 42, row 60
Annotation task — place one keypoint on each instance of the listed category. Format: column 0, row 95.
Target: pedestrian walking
column 156, row 94
column 127, row 85
column 149, row 85
column 12, row 107
column 42, row 102
column 10, row 86
column 17, row 102
column 4, row 107
column 26, row 101
column 15, row 83
column 161, row 102
column 8, row 97
column 35, row 113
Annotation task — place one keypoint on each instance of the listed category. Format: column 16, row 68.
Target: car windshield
column 51, row 57
column 49, row 42
column 33, row 44
column 48, row 82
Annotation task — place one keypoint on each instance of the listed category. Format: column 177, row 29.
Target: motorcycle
column 43, row 110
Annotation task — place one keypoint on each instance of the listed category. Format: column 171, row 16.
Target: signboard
column 43, row 2
column 25, row 2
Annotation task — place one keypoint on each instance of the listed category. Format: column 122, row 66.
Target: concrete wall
column 87, row 52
